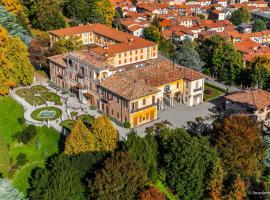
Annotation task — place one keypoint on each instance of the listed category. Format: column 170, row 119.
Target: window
column 130, row 60
column 177, row 85
column 119, row 55
column 140, row 118
column 112, row 111
column 154, row 54
column 141, row 57
column 144, row 101
column 125, row 60
column 141, row 50
column 197, row 84
column 119, row 62
column 153, row 99
column 125, row 53
column 130, row 53
column 118, row 116
column 136, row 51
column 167, row 88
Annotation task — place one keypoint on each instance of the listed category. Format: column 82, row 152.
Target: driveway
column 179, row 115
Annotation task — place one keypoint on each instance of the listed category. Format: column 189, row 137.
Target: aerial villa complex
column 123, row 76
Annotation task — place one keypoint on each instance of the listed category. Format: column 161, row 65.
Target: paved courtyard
column 179, row 115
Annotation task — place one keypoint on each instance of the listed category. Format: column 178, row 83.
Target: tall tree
column 259, row 25
column 241, row 15
column 152, row 193
column 240, row 146
column 18, row 10
column 259, row 71
column 144, row 150
column 8, row 192
column 120, row 178
column 105, row 134
column 80, row 140
column 221, row 59
column 31, row 10
column 49, row 15
column 187, row 55
column 77, row 10
column 62, row 177
column 186, row 161
column 101, row 11
column 15, row 65
column 67, row 45
column 152, row 33
column 8, row 21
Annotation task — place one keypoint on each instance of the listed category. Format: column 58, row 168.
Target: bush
column 150, row 129
column 92, row 107
column 26, row 135
column 160, row 125
column 87, row 119
column 22, row 121
column 21, row 159
column 208, row 92
column 127, row 125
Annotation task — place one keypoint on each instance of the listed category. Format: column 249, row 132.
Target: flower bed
column 35, row 100
column 46, row 113
column 24, row 93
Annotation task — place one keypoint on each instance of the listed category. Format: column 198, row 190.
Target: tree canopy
column 259, row 25
column 221, row 59
column 152, row 33
column 186, row 161
column 15, row 65
column 144, row 150
column 187, row 55
column 259, row 72
column 241, row 15
column 152, row 193
column 120, row 178
column 240, row 146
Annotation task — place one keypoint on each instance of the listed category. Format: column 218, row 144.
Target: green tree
column 77, row 10
column 152, row 33
column 105, row 134
column 240, row 146
column 187, row 55
column 259, row 72
column 67, row 45
column 101, row 11
column 31, row 10
column 15, row 65
column 166, row 48
column 8, row 21
column 7, row 192
column 79, row 140
column 186, row 161
column 144, row 150
column 62, row 177
column 241, row 15
column 49, row 15
column 120, row 178
column 259, row 25
column 221, row 59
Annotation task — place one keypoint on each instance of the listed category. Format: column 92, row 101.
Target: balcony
column 143, row 108
column 80, row 75
column 104, row 99
column 197, row 90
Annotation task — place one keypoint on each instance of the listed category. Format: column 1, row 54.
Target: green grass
column 39, row 89
column 24, row 93
column 35, row 100
column 212, row 92
column 86, row 118
column 67, row 124
column 35, row 114
column 165, row 191
column 73, row 114
column 41, row 147
column 50, row 96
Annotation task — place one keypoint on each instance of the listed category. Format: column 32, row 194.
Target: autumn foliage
column 152, row 193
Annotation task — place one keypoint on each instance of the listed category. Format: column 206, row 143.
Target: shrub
column 127, row 125
column 26, row 135
column 208, row 92
column 22, row 121
column 160, row 125
column 150, row 129
column 21, row 159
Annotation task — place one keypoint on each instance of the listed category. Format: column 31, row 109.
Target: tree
column 8, row 21
column 105, row 134
column 240, row 146
column 186, row 161
column 152, row 33
column 259, row 72
column 67, row 45
column 101, row 11
column 62, row 177
column 187, row 55
column 120, row 178
column 7, row 192
column 166, row 48
column 79, row 140
column 31, row 10
column 259, row 25
column 238, row 190
column 15, row 65
column 221, row 59
column 77, row 10
column 18, row 11
column 152, row 193
column 241, row 15
column 144, row 151
column 49, row 15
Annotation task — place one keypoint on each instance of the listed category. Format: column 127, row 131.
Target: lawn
column 39, row 89
column 36, row 115
column 165, row 191
column 212, row 92
column 24, row 93
column 41, row 147
column 50, row 96
column 35, row 100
